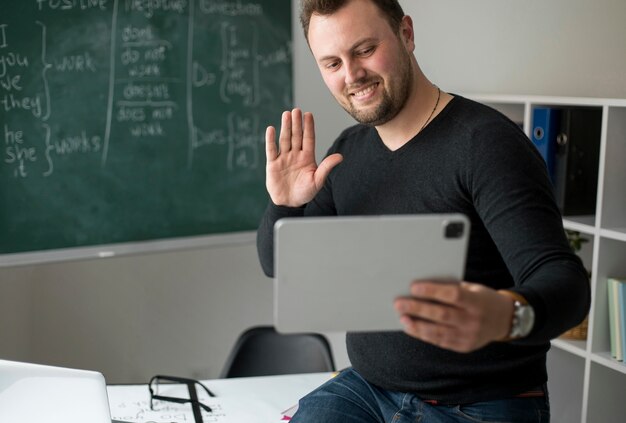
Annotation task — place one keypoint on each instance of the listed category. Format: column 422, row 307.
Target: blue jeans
column 348, row 398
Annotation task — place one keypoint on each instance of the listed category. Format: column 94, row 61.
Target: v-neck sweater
column 470, row 159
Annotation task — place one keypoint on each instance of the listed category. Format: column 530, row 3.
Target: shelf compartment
column 566, row 375
column 614, row 180
column 606, row 395
column 611, row 264
column 571, row 145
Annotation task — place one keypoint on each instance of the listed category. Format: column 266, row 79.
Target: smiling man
column 474, row 350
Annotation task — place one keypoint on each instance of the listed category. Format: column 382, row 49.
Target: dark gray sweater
column 470, row 159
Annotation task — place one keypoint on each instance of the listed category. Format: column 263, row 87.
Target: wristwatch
column 523, row 316
column 523, row 320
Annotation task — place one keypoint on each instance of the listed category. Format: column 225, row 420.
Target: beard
column 393, row 99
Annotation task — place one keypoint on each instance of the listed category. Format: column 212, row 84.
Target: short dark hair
column 391, row 10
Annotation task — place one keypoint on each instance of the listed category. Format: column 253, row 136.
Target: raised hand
column 293, row 177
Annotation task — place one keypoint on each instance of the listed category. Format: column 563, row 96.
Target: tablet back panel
column 343, row 273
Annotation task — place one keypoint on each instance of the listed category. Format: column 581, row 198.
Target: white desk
column 238, row 400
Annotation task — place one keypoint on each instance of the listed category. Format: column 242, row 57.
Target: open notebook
column 37, row 393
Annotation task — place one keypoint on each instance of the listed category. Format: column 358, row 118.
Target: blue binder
column 546, row 124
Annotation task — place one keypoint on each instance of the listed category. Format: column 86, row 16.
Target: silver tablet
column 343, row 273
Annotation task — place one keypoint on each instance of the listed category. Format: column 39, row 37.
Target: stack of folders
column 568, row 139
column 617, row 317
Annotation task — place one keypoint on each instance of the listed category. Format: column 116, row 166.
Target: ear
column 406, row 33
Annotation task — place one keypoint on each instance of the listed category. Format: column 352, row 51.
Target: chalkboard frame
column 171, row 245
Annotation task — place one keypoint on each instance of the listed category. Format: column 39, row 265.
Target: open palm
column 293, row 177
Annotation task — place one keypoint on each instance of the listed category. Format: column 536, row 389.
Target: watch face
column 523, row 320
column 526, row 320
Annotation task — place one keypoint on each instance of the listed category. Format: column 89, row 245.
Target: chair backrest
column 261, row 351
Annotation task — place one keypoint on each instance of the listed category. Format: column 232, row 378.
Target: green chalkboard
column 136, row 120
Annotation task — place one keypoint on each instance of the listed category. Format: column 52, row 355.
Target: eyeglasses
column 196, row 404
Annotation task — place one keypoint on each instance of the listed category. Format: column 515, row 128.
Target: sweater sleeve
column 265, row 234
column 513, row 196
column 321, row 205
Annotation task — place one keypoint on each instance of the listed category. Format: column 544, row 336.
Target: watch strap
column 514, row 295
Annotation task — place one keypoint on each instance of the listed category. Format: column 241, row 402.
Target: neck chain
column 434, row 108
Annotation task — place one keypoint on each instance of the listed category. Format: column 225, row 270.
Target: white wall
column 557, row 47
column 180, row 312
column 135, row 316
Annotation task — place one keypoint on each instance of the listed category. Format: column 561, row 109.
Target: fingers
column 458, row 316
column 271, row 151
column 448, row 292
column 433, row 312
column 296, row 129
column 284, row 139
column 324, row 168
column 447, row 337
column 441, row 325
column 440, row 302
column 308, row 142
column 293, row 134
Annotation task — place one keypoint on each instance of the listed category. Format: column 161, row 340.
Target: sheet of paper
column 250, row 400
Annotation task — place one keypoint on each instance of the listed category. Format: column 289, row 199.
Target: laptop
column 336, row 274
column 37, row 393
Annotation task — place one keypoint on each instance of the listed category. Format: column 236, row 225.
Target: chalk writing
column 11, row 59
column 230, row 8
column 11, row 102
column 8, row 82
column 142, row 99
column 244, row 140
column 72, row 4
column 17, row 152
column 45, row 67
column 146, row 96
column 239, row 67
column 136, row 119
column 150, row 7
column 77, row 63
column 3, row 36
column 202, row 77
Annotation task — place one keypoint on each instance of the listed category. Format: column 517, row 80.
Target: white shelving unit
column 586, row 384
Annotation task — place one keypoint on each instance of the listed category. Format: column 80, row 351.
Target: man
column 473, row 350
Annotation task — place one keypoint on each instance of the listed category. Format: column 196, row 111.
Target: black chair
column 262, row 351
